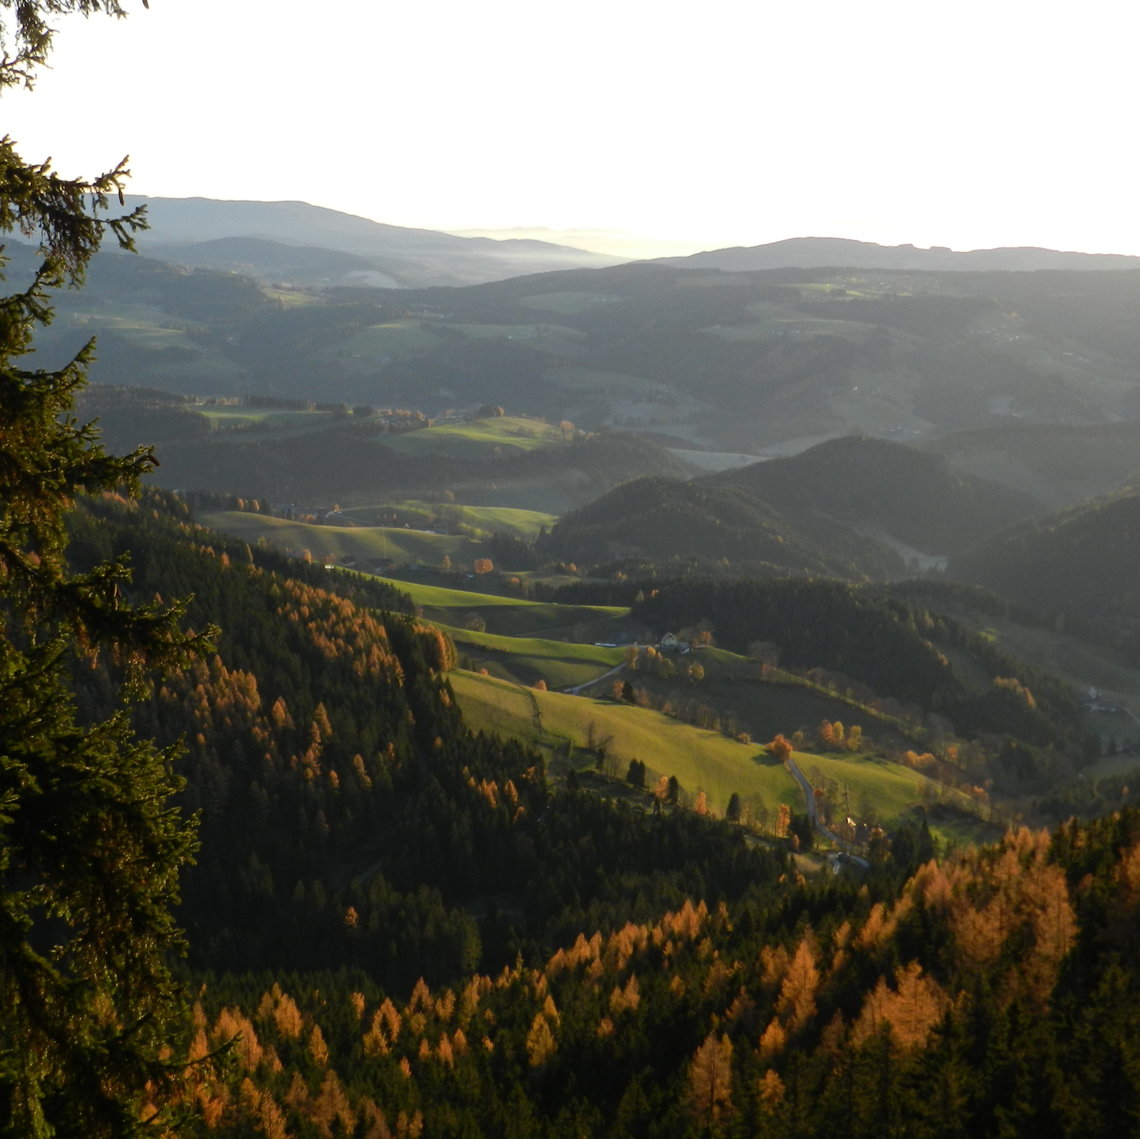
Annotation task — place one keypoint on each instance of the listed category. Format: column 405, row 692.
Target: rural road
column 596, row 680
column 809, row 795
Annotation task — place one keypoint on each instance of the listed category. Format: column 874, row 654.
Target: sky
column 701, row 125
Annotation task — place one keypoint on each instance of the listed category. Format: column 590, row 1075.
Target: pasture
column 327, row 543
column 571, row 729
column 473, row 520
column 474, row 438
column 510, row 616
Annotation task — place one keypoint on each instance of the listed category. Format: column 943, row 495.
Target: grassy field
column 794, row 326
column 568, row 729
column 540, row 336
column 475, row 519
column 732, row 687
column 476, row 437
column 339, row 541
column 227, row 417
column 561, row 664
column 150, row 329
column 510, row 616
column 143, row 325
column 565, row 727
column 290, row 297
column 876, row 788
column 380, row 341
column 504, row 615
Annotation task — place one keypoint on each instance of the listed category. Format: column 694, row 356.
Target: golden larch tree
column 710, row 1081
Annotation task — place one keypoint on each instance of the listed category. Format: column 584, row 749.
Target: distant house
column 1092, row 701
column 670, row 643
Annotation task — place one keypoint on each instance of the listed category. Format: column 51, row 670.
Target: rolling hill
column 1055, row 464
column 849, row 507
column 818, row 252
column 313, row 456
column 310, row 245
column 699, row 358
column 688, row 524
column 886, row 490
column 1079, row 563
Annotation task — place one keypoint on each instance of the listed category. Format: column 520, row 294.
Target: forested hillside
column 885, row 489
column 852, row 508
column 897, row 655
column 333, row 774
column 669, row 524
column 401, row 930
column 1077, row 566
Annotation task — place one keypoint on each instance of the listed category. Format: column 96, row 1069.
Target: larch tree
column 710, row 1082
column 800, row 985
column 90, row 844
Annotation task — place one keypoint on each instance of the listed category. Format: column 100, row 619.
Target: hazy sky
column 971, row 124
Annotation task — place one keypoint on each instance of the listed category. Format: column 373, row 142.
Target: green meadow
column 876, row 788
column 561, row 664
column 397, row 543
column 225, row 418
column 514, row 616
column 149, row 329
column 378, row 341
column 476, row 436
column 475, row 520
column 567, row 727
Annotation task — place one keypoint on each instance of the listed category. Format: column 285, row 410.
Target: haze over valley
column 743, row 413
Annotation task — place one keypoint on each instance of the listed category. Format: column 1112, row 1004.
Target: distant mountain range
column 308, row 245
column 1032, row 379
column 837, row 252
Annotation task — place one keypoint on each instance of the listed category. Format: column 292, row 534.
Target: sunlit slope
column 558, row 723
column 571, row 729
column 397, row 543
column 474, row 520
column 475, row 437
column 559, row 664
column 513, row 616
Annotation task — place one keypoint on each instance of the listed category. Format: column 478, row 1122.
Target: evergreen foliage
column 986, row 993
column 709, row 523
column 1091, row 550
column 90, row 845
column 871, row 637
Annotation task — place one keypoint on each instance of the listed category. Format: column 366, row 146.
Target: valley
column 469, row 683
column 531, row 458
column 604, row 670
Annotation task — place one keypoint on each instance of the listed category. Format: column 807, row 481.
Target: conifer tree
column 710, row 1081
column 90, row 846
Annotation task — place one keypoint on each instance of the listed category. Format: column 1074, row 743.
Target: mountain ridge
column 841, row 252
column 411, row 257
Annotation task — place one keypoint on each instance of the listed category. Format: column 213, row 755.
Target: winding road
column 809, row 796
